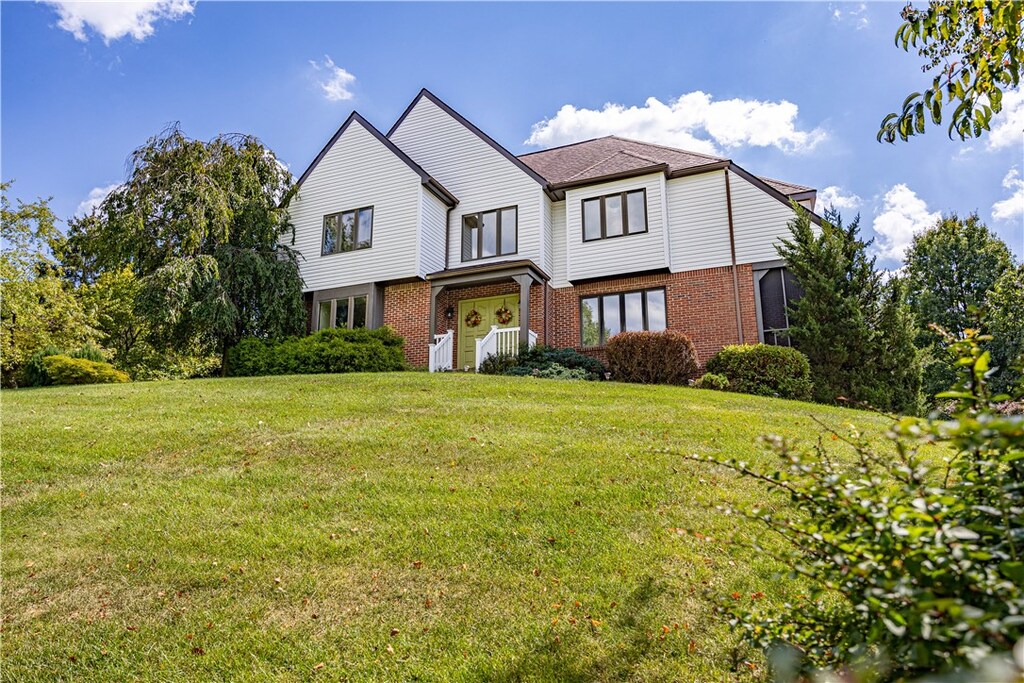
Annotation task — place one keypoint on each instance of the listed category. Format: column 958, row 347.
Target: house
column 464, row 248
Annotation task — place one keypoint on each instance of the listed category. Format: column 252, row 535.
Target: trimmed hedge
column 544, row 361
column 764, row 370
column 333, row 350
column 67, row 370
column 652, row 357
column 710, row 380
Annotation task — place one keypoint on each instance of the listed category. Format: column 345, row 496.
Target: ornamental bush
column 652, row 357
column 67, row 370
column 327, row 351
column 543, row 359
column 710, row 380
column 764, row 370
column 910, row 556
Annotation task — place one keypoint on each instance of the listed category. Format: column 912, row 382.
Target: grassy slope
column 252, row 528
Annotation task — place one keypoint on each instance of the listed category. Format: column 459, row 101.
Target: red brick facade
column 699, row 303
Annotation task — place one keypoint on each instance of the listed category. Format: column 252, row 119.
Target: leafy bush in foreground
column 67, row 370
column 333, row 350
column 710, row 380
column 764, row 370
column 652, row 357
column 915, row 568
column 539, row 359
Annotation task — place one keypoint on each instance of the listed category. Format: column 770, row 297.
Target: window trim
column 351, row 307
column 497, row 235
column 355, row 229
column 601, row 343
column 604, row 222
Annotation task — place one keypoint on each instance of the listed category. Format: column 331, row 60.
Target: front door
column 488, row 312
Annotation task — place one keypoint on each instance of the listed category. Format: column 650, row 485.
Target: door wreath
column 503, row 315
column 472, row 318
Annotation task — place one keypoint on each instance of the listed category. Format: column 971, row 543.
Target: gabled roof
column 788, row 189
column 424, row 93
column 428, row 181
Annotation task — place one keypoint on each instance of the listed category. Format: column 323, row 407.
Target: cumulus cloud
column 903, row 215
column 1012, row 206
column 854, row 14
column 1008, row 124
column 114, row 20
column 95, row 198
column 693, row 121
column 333, row 81
column 833, row 197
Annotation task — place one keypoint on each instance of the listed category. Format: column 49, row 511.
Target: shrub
column 333, row 350
column 710, row 380
column 67, row 370
column 89, row 351
column 540, row 359
column 652, row 357
column 556, row 371
column 913, row 561
column 764, row 370
column 34, row 373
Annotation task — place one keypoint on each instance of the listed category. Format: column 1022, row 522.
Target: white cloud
column 114, row 20
column 1012, row 206
column 1008, row 124
column 95, row 198
column 833, row 197
column 335, row 82
column 854, row 14
column 903, row 215
column 693, row 122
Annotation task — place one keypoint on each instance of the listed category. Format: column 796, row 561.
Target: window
column 348, row 313
column 777, row 291
column 615, row 215
column 348, row 231
column 603, row 317
column 490, row 233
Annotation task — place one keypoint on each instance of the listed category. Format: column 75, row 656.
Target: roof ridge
column 784, row 182
column 671, row 149
column 640, row 156
column 568, row 144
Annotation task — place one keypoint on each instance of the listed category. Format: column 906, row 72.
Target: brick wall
column 700, row 304
column 407, row 311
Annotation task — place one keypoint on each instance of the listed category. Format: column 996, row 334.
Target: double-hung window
column 490, row 233
column 602, row 317
column 348, row 231
column 615, row 215
column 348, row 312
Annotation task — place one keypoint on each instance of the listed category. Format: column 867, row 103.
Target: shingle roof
column 601, row 157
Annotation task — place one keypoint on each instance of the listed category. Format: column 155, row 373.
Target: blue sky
column 787, row 90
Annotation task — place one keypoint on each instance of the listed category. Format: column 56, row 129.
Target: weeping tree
column 204, row 228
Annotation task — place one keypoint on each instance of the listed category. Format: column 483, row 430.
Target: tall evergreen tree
column 1004, row 320
column 202, row 225
column 853, row 329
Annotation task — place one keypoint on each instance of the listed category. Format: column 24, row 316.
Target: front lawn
column 379, row 527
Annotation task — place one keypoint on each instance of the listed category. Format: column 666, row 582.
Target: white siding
column 559, row 271
column 617, row 255
column 546, row 260
column 698, row 219
column 480, row 176
column 759, row 221
column 358, row 171
column 434, row 213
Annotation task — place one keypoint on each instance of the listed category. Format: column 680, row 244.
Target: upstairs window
column 490, row 233
column 615, row 215
column 603, row 317
column 348, row 231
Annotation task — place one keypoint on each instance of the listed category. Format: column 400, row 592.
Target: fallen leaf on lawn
column 391, row 649
column 417, row 564
column 198, row 651
column 536, row 571
column 319, row 666
column 692, row 646
column 394, row 632
column 736, row 596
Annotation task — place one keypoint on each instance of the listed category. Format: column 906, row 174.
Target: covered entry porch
column 479, row 311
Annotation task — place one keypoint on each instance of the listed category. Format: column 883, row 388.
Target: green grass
column 286, row 527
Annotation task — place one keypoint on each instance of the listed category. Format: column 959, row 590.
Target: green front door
column 487, row 310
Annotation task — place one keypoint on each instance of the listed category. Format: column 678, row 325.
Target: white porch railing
column 441, row 352
column 500, row 340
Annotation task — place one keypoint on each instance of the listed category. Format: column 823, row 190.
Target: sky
column 793, row 91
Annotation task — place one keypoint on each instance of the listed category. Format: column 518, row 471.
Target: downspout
column 447, row 234
column 732, row 250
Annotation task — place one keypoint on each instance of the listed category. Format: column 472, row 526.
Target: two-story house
column 438, row 231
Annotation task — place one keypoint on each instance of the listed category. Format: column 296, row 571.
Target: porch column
column 435, row 291
column 524, row 307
